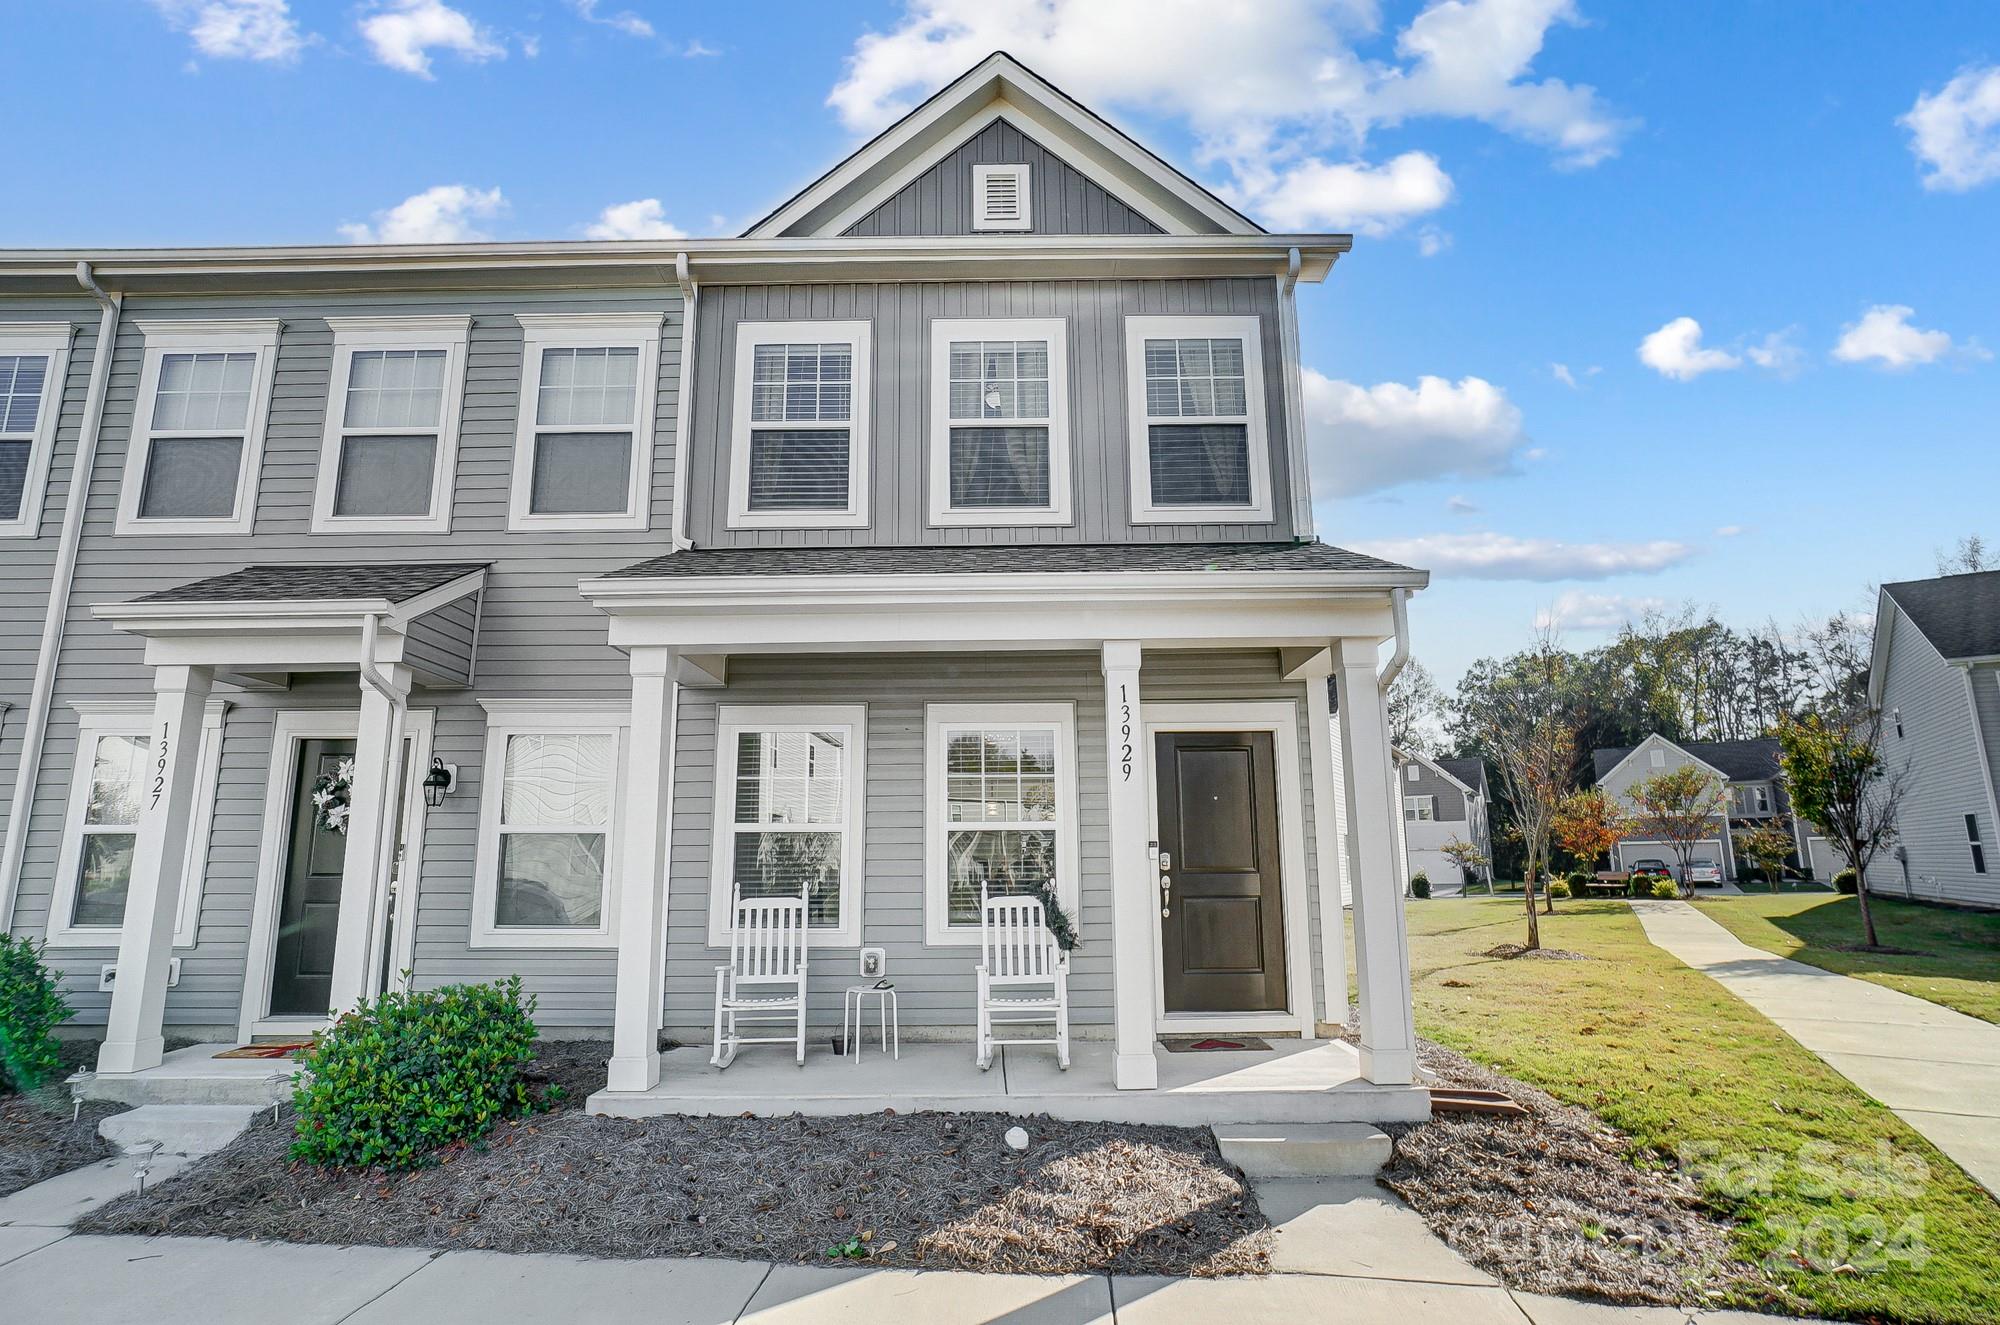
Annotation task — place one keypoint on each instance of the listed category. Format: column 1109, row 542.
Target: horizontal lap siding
column 537, row 636
column 1941, row 752
column 899, row 411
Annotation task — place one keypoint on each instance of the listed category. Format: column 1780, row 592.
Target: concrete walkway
column 1937, row 1069
column 1347, row 1250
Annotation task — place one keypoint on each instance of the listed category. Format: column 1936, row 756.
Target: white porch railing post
column 132, row 1039
column 372, row 812
column 1134, row 889
column 1327, row 845
column 1381, row 947
column 647, row 809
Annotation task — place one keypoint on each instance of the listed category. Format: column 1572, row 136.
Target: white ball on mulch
column 1017, row 1137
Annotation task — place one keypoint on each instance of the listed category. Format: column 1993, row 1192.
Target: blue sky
column 1532, row 183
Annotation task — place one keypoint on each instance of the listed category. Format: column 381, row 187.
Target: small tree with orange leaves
column 1587, row 825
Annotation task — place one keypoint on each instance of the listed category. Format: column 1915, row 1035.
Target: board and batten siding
column 537, row 637
column 934, row 985
column 899, row 410
column 1932, row 858
column 1062, row 199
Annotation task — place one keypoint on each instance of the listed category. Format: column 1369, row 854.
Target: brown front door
column 302, row 974
column 1222, row 923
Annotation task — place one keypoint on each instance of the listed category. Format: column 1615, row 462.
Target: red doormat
column 284, row 1050
column 1208, row 1044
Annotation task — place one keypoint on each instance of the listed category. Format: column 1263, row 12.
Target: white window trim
column 859, row 338
column 96, row 719
column 1250, row 330
column 1023, row 177
column 449, row 334
column 516, row 717
column 544, row 331
column 1053, row 330
column 734, row 719
column 1417, row 803
column 50, row 340
column 258, row 336
column 939, row 719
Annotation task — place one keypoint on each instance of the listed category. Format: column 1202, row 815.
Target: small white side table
column 854, row 1004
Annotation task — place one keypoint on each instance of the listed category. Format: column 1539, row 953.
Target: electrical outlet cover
column 874, row 961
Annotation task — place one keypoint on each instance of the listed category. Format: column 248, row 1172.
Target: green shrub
column 1420, row 884
column 30, row 1008
column 1847, row 881
column 1559, row 889
column 395, row 1079
column 1666, row 889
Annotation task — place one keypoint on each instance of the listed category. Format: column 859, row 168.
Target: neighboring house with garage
column 1443, row 800
column 1935, row 679
column 947, row 532
column 1755, row 794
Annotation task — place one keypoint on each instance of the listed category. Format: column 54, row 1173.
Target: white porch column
column 1135, row 891
column 1326, row 839
column 364, row 884
column 647, row 808
column 1381, row 947
column 132, row 1040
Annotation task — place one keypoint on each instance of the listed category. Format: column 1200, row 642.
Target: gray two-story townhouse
column 1752, row 784
column 460, row 612
column 1443, row 802
column 1934, row 677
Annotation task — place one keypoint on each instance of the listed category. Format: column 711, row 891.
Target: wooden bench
column 1610, row 883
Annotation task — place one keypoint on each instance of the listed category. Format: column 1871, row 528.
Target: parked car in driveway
column 1704, row 872
column 1649, row 869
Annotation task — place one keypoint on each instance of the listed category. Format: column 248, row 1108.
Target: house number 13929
column 1124, row 735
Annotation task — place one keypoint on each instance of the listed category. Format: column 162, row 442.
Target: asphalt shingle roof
column 1472, row 772
column 1008, row 558
column 1958, row 614
column 1754, row 760
column 396, row 581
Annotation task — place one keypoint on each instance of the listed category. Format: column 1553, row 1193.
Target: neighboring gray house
column 1443, row 800
column 1935, row 678
column 1756, row 795
column 949, row 526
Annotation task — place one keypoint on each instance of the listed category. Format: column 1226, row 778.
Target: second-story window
column 197, row 441
column 1195, row 391
column 584, row 445
column 33, row 359
column 799, row 444
column 391, row 443
column 999, row 422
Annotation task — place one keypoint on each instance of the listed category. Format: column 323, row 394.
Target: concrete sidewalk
column 1937, row 1069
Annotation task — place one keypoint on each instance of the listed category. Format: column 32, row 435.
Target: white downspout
column 374, row 979
column 1296, row 447
column 684, row 399
column 1399, row 604
column 42, row 694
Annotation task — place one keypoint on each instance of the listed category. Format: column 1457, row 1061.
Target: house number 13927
column 1124, row 735
column 160, row 767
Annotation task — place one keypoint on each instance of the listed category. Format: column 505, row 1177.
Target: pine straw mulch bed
column 936, row 1190
column 40, row 1140
column 1555, row 1203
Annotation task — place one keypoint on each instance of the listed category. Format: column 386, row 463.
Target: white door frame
column 291, row 727
column 1280, row 717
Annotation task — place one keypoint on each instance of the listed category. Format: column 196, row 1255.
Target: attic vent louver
column 1000, row 198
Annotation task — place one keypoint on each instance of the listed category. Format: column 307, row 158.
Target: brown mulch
column 937, row 1190
column 40, row 1140
column 1512, row 951
column 1555, row 1203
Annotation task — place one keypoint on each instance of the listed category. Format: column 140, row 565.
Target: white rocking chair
column 1016, row 950
column 767, row 949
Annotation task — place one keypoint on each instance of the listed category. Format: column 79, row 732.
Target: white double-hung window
column 799, row 442
column 197, row 441
column 1418, row 809
column 390, row 446
column 548, row 825
column 584, row 443
column 999, row 422
column 33, row 359
column 1000, row 810
column 788, row 813
column 1195, row 393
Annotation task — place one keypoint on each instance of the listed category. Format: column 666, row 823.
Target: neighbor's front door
column 302, row 976
column 1222, row 926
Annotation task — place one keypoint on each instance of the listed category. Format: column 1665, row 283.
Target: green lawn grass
column 1802, row 1160
column 1958, row 965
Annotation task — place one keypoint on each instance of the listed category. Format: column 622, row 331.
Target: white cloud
column 1562, row 373
column 1504, row 557
column 1275, row 92
column 403, row 33
column 237, row 29
column 1778, row 353
column 624, row 20
column 1728, row 530
column 1884, row 334
column 698, row 49
column 1576, row 610
column 1461, row 506
column 1366, row 438
column 442, row 214
column 1676, row 351
column 1955, row 132
column 1432, row 241
column 643, row 218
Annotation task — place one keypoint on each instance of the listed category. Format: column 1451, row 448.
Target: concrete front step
column 193, row 1076
column 1304, row 1150
column 177, row 1129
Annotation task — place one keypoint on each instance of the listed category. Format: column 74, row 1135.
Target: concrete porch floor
column 193, row 1075
column 1295, row 1081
